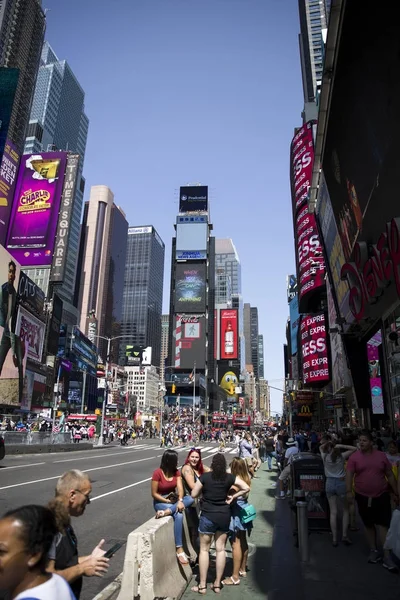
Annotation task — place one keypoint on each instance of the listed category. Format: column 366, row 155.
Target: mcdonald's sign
column 304, row 411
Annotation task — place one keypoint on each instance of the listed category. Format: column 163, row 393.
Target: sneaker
column 389, row 565
column 280, row 496
column 374, row 557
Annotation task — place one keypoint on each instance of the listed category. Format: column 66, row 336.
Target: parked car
column 2, row 447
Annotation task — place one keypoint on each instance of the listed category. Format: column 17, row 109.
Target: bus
column 242, row 422
column 219, row 421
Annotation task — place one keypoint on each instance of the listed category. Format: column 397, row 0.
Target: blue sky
column 206, row 91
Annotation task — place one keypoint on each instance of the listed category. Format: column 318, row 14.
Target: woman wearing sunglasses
column 191, row 472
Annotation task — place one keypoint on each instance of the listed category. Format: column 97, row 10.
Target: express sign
column 311, row 264
column 314, row 349
column 302, row 158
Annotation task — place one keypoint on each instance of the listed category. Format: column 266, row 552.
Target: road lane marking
column 126, row 487
column 7, row 487
column 20, row 466
column 214, row 450
column 90, row 457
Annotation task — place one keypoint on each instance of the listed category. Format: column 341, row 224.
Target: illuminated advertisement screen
column 191, row 241
column 375, row 380
column 229, row 334
column 190, row 287
column 302, row 159
column 193, row 198
column 314, row 349
column 190, row 341
column 85, row 353
column 31, row 332
column 8, row 177
column 294, row 322
column 33, row 223
column 311, row 264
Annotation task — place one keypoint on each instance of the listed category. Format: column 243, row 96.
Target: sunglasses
column 86, row 495
column 195, row 450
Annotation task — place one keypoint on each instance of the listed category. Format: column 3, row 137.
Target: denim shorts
column 335, row 487
column 209, row 527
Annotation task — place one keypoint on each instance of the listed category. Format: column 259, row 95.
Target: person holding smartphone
column 169, row 498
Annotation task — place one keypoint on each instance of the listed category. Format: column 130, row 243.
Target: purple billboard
column 8, row 176
column 34, row 215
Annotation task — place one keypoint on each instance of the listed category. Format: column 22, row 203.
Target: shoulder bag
column 247, row 513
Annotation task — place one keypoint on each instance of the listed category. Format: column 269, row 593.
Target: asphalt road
column 121, row 499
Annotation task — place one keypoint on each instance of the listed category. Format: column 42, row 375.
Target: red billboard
column 229, row 334
column 301, row 160
column 314, row 348
column 311, row 264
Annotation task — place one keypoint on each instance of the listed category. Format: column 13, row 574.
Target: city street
column 121, row 492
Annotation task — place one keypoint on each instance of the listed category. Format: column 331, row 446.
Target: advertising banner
column 92, row 326
column 229, row 334
column 301, row 162
column 193, row 199
column 190, row 341
column 190, row 287
column 12, row 350
column 375, row 379
column 191, row 241
column 291, row 284
column 34, row 216
column 8, row 177
column 64, row 221
column 361, row 160
column 30, row 295
column 341, row 378
column 294, row 322
column 311, row 264
column 31, row 332
column 314, row 349
column 84, row 352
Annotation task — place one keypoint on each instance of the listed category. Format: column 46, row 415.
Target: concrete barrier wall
column 45, row 448
column 151, row 569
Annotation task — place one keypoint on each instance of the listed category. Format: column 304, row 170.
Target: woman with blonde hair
column 238, row 530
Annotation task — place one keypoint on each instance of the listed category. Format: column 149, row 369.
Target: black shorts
column 378, row 513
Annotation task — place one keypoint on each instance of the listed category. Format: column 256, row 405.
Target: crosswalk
column 206, row 451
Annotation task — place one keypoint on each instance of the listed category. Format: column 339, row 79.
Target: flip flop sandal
column 242, row 573
column 160, row 514
column 199, row 589
column 216, row 587
column 231, row 581
column 182, row 558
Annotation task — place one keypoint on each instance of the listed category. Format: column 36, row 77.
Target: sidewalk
column 271, row 552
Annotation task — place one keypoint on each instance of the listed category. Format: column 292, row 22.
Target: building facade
column 250, row 326
column 58, row 122
column 228, row 271
column 143, row 290
column 261, row 356
column 164, row 345
column 22, row 27
column 100, row 285
column 143, row 386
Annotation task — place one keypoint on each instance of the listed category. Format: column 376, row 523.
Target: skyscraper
column 261, row 356
column 58, row 122
column 228, row 272
column 313, row 22
column 22, row 27
column 102, row 255
column 250, row 317
column 143, row 290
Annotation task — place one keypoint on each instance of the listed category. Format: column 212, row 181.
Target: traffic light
column 173, row 390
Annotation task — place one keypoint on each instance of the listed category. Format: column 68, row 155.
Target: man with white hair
column 285, row 475
column 73, row 491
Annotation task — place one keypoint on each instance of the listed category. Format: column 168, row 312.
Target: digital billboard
column 311, row 264
column 191, row 241
column 301, row 162
column 31, row 332
column 361, row 160
column 190, row 341
column 30, row 295
column 84, row 352
column 229, row 334
column 190, row 287
column 341, row 378
column 193, row 199
column 12, row 350
column 34, row 216
column 8, row 177
column 314, row 349
column 294, row 322
column 375, row 379
column 64, row 221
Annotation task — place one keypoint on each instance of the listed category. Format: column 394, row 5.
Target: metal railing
column 36, row 437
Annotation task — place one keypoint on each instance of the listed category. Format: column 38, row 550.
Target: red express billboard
column 229, row 334
column 301, row 161
column 311, row 264
column 33, row 224
column 314, row 349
